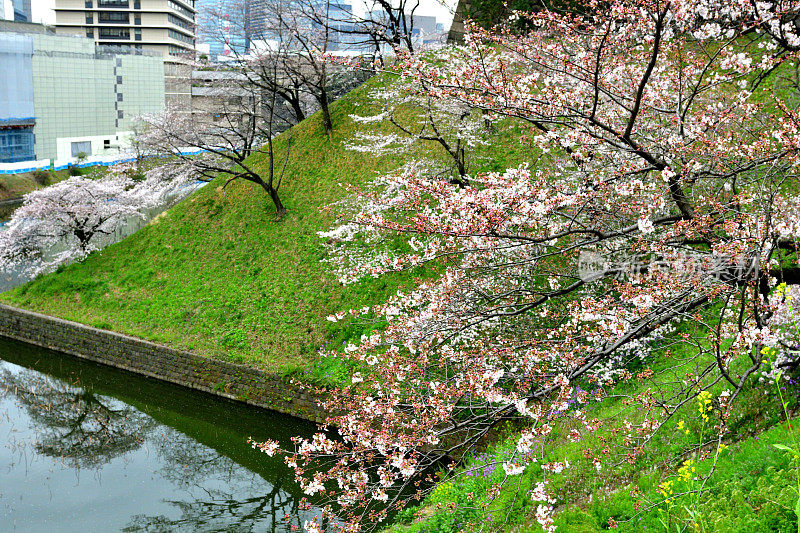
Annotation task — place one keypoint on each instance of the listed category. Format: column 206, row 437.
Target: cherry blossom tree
column 301, row 37
column 417, row 116
column 660, row 193
column 256, row 48
column 67, row 221
column 232, row 140
column 288, row 54
column 247, row 99
column 300, row 49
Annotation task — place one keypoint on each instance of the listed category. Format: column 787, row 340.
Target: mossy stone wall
column 236, row 382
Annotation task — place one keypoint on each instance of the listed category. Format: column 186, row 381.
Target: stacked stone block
column 236, row 382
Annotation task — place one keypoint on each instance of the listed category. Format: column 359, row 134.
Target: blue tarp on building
column 16, row 98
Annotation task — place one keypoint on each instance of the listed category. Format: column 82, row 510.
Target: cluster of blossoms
column 653, row 144
column 781, row 340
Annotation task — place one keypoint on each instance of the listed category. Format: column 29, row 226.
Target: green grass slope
column 217, row 274
column 14, row 186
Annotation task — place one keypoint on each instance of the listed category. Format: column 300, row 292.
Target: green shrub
column 41, row 177
column 235, row 338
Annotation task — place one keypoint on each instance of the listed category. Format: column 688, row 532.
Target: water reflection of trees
column 75, row 425
column 220, row 513
column 216, row 484
column 84, row 429
column 189, row 463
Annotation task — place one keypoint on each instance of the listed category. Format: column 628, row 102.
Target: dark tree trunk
column 297, row 109
column 280, row 210
column 83, row 237
column 326, row 112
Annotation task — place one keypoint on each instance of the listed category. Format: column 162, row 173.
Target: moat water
column 89, row 448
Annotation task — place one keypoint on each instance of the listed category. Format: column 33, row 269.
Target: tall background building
column 222, row 27
column 166, row 27
column 16, row 10
column 61, row 96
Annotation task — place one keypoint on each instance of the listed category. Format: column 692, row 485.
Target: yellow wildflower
column 686, row 472
column 665, row 489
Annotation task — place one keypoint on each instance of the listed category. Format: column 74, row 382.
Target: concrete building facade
column 74, row 116
column 70, row 96
column 165, row 27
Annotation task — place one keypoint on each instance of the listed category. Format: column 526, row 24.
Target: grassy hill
column 15, row 185
column 217, row 275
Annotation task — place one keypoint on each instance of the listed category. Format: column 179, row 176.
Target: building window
column 181, row 37
column 89, row 18
column 82, row 147
column 119, row 97
column 115, row 34
column 112, row 3
column 16, row 145
column 137, row 34
column 119, row 79
column 180, row 9
column 178, row 22
column 120, row 114
column 137, row 20
column 137, row 5
column 89, row 3
column 90, row 33
column 113, row 17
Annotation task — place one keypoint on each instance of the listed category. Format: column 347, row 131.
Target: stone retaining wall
column 236, row 382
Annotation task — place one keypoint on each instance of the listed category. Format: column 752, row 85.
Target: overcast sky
column 42, row 11
column 441, row 9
